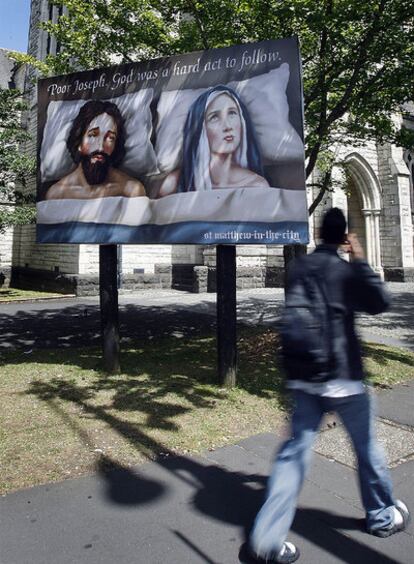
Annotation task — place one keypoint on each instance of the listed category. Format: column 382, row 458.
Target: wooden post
column 108, row 292
column 226, row 314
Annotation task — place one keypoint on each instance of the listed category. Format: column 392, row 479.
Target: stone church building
column 378, row 200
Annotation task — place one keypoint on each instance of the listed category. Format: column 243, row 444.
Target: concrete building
column 377, row 197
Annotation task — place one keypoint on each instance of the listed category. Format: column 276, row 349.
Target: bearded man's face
column 95, row 167
column 98, row 144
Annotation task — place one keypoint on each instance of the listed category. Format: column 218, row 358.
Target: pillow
column 55, row 159
column 265, row 98
column 267, row 103
column 172, row 109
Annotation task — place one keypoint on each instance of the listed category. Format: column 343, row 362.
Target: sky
column 14, row 24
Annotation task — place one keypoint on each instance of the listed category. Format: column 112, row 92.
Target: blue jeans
column 275, row 517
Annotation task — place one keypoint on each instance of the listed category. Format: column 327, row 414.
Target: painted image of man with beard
column 96, row 143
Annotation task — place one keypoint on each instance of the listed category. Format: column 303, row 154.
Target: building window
column 49, row 39
column 53, row 47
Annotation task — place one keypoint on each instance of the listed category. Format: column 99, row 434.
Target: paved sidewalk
column 199, row 509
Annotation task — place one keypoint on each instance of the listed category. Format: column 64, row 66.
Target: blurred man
column 96, row 144
column 324, row 372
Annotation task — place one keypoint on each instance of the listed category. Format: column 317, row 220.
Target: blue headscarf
column 193, row 129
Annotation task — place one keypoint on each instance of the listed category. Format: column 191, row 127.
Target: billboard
column 199, row 148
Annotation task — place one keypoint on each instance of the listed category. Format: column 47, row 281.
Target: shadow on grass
column 384, row 355
column 223, row 495
column 161, row 381
column 6, row 293
column 166, row 367
column 125, row 486
column 175, row 365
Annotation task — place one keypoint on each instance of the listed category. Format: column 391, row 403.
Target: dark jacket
column 350, row 287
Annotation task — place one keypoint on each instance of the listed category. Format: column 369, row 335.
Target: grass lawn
column 63, row 417
column 14, row 294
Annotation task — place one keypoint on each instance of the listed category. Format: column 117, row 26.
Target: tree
column 358, row 55
column 16, row 206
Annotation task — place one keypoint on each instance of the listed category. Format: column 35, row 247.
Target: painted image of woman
column 220, row 149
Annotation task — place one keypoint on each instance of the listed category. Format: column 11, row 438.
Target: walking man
column 324, row 372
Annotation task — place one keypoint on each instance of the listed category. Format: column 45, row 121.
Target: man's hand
column 353, row 246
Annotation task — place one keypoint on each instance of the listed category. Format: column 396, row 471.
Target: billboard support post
column 108, row 292
column 226, row 314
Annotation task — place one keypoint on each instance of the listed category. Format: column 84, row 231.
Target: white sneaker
column 289, row 553
column 401, row 521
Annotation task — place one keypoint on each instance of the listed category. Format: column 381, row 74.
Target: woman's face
column 223, row 124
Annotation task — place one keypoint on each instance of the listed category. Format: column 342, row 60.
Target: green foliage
column 19, row 214
column 16, row 167
column 358, row 56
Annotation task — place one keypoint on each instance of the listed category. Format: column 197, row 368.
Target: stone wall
column 29, row 254
column 144, row 258
column 396, row 221
column 135, row 259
